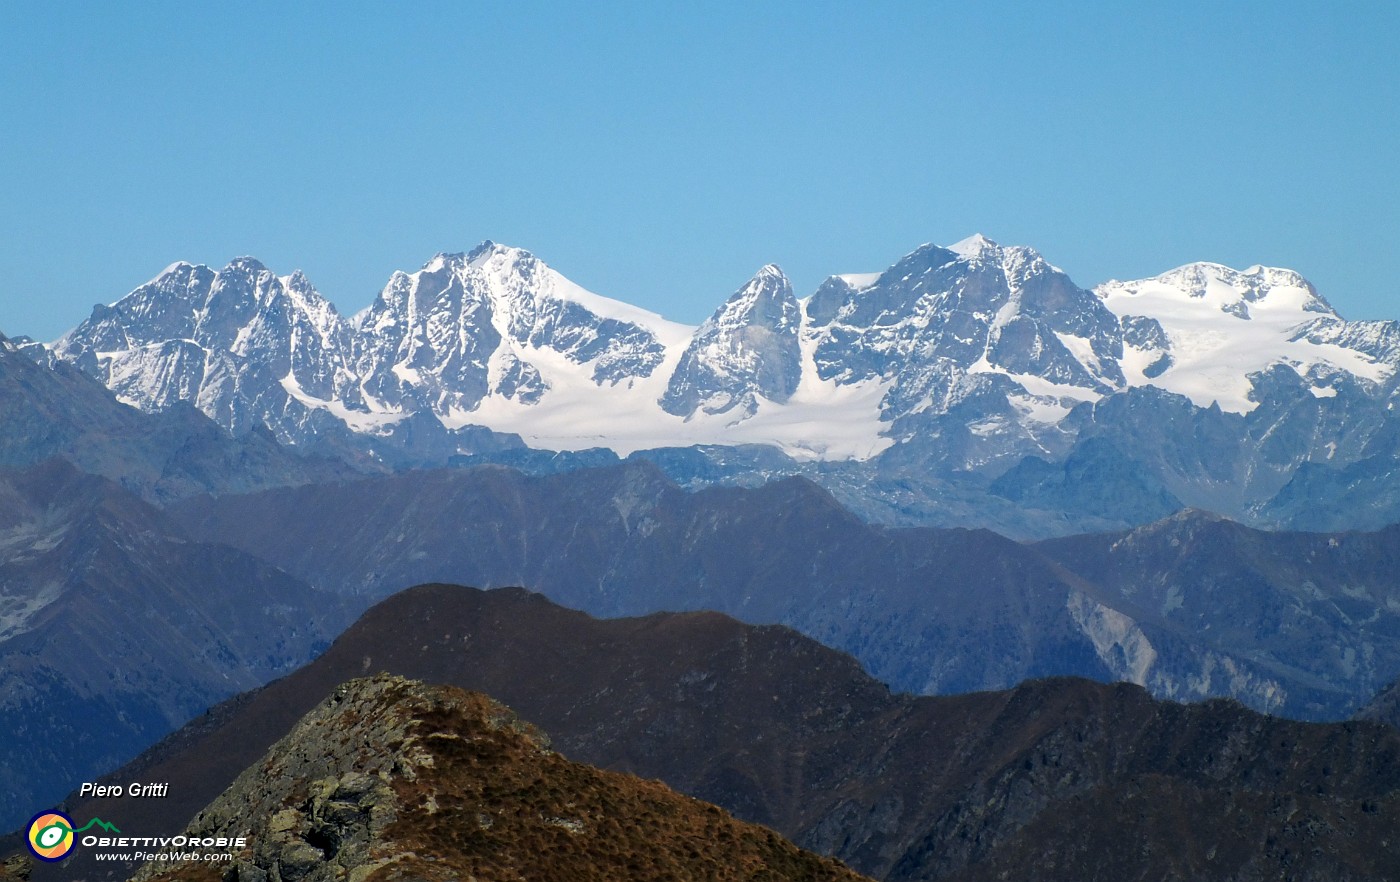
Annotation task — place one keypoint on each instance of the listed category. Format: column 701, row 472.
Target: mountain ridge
column 907, row 391
column 783, row 731
column 411, row 780
column 1191, row 606
column 1036, row 288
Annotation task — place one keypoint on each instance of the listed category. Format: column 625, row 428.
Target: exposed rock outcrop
column 392, row 779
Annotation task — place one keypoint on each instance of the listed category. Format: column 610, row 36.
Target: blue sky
column 661, row 152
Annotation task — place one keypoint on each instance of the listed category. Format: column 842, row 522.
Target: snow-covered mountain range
column 969, row 358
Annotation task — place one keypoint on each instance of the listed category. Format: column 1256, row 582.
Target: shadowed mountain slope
column 1300, row 625
column 1319, row 612
column 114, row 629
column 54, row 409
column 782, row 731
column 1384, row 708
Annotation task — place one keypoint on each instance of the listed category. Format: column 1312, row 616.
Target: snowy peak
column 196, row 334
column 1233, row 292
column 975, row 246
column 246, row 264
column 988, row 336
column 165, row 307
column 498, row 322
column 765, row 300
column 1206, row 331
column 746, row 352
column 944, row 324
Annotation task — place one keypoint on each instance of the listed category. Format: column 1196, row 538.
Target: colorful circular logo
column 51, row 836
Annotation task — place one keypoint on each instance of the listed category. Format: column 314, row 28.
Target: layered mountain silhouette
column 968, row 386
column 910, row 393
column 115, row 629
column 1385, row 707
column 52, row 409
column 394, row 779
column 1192, row 606
column 1046, row 781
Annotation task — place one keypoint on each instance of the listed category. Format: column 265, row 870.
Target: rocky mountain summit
column 16, row 868
column 391, row 779
column 1044, row 781
column 747, row 351
column 958, row 376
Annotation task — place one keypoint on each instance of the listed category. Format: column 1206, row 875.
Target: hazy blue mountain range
column 115, row 628
column 964, row 387
column 1193, row 606
column 102, row 591
column 972, row 385
column 148, row 615
column 50, row 409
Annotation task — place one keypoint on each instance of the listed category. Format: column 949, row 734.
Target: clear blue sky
column 660, row 152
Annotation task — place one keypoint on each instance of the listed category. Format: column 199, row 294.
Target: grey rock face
column 317, row 803
column 938, row 376
column 747, row 349
column 1005, row 307
column 432, row 338
column 241, row 344
column 429, row 340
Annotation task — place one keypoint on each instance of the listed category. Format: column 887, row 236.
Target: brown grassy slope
column 782, row 731
column 391, row 779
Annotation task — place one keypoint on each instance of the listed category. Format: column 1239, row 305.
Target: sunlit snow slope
column 993, row 336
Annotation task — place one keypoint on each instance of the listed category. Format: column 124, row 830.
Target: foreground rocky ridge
column 1044, row 781
column 972, row 385
column 391, row 779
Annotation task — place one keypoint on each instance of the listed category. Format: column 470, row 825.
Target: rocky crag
column 391, row 779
